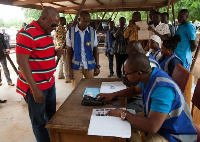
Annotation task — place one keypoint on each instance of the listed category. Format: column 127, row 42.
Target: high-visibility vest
column 88, row 46
column 178, row 124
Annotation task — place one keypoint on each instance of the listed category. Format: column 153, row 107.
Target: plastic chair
column 184, row 80
column 196, row 108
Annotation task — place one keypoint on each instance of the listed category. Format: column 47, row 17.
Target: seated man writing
column 166, row 113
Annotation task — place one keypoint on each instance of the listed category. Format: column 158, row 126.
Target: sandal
column 11, row 84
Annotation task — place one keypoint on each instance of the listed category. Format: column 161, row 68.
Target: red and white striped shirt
column 32, row 40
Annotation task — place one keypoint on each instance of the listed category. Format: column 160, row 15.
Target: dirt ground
column 15, row 124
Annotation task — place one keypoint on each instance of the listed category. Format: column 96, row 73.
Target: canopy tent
column 73, row 6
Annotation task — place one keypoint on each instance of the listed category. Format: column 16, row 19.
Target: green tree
column 2, row 24
column 31, row 14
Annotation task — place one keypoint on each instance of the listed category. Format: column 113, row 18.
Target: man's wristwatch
column 97, row 66
column 123, row 115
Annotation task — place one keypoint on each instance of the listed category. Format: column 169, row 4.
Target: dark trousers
column 41, row 113
column 120, row 59
column 5, row 69
column 110, row 59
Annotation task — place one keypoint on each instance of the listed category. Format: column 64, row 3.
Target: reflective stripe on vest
column 153, row 61
column 155, row 54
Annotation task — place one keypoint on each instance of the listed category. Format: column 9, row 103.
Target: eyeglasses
column 143, row 72
column 53, row 25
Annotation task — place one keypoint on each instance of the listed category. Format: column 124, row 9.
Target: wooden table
column 71, row 121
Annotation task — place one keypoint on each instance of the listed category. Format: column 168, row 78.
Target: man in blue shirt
column 188, row 43
column 166, row 113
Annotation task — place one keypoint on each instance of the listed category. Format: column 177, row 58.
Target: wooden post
column 101, row 20
column 78, row 13
column 115, row 16
column 110, row 19
column 169, row 1
column 173, row 14
column 41, row 4
column 70, row 16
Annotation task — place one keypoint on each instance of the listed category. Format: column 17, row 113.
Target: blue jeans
column 41, row 113
column 110, row 59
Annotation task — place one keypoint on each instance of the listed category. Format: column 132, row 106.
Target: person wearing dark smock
column 35, row 53
column 169, row 59
column 167, row 116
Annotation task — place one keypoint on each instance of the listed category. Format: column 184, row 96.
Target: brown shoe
column 67, row 80
column 0, row 83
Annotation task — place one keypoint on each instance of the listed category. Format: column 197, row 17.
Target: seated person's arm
column 129, row 92
column 161, row 102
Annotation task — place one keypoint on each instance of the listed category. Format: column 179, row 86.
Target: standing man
column 120, row 47
column 7, row 39
column 188, row 43
column 109, row 43
column 82, row 50
column 165, row 19
column 59, row 41
column 158, row 28
column 3, row 61
column 35, row 53
column 131, row 31
column 151, row 17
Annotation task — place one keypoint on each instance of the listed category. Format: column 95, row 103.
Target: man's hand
column 96, row 71
column 151, row 29
column 107, row 96
column 59, row 52
column 115, row 112
column 106, row 54
column 38, row 96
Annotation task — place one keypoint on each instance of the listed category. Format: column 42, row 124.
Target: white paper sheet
column 109, row 126
column 110, row 87
column 142, row 24
column 143, row 34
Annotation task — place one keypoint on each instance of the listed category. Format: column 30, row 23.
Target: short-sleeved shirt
column 60, row 36
column 161, row 101
column 82, row 35
column 161, row 28
column 187, row 32
column 131, row 32
column 33, row 41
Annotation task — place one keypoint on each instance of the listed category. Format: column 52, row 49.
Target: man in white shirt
column 158, row 28
column 82, row 50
